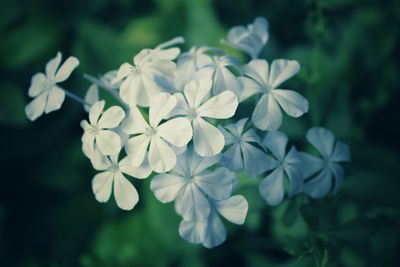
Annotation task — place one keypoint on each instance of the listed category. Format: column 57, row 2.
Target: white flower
column 243, row 153
column 96, row 131
column 112, row 177
column 267, row 114
column 143, row 80
column 251, row 39
column 211, row 232
column 195, row 103
column 188, row 183
column 91, row 97
column 159, row 137
column 332, row 153
column 272, row 187
column 48, row 96
column 105, row 81
column 222, row 78
column 163, row 52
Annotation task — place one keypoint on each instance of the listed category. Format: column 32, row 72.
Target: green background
column 348, row 51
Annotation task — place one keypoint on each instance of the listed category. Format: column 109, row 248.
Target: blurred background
column 349, row 53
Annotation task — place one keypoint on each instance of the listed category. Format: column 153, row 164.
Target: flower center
column 192, row 113
column 114, row 167
column 151, row 131
column 93, row 130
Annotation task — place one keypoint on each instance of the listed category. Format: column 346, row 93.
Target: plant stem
column 76, row 98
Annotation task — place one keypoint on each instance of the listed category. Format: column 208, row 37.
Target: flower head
column 97, row 133
column 332, row 153
column 159, row 138
column 47, row 95
column 272, row 187
column 267, row 114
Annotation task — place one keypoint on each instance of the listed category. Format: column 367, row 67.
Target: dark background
column 348, row 51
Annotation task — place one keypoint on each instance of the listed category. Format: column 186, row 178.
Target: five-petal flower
column 195, row 103
column 332, row 153
column 267, row 114
column 272, row 187
column 159, row 137
column 96, row 132
column 47, row 95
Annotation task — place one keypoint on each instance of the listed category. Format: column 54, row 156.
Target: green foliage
column 348, row 51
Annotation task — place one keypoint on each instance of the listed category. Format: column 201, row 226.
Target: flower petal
column 236, row 129
column 166, row 187
column 141, row 172
column 162, row 158
column 293, row 169
column 267, row 114
column 160, row 106
column 92, row 96
column 271, row 187
column 52, row 66
column 310, row 164
column 136, row 149
column 338, row 173
column 341, row 152
column 38, row 84
column 125, row 193
column 55, row 99
column 134, row 123
column 281, row 70
column 191, row 204
column 207, row 139
column 111, row 118
column 215, row 231
column 320, row 185
column 66, row 69
column 322, row 139
column 232, row 158
column 123, row 71
column 291, row 102
column 221, row 106
column 217, row 183
column 108, row 142
column 36, row 107
column 197, row 91
column 258, row 70
column 276, row 142
column 176, row 131
column 102, row 185
column 256, row 161
column 95, row 112
column 193, row 231
column 234, row 209
column 197, row 164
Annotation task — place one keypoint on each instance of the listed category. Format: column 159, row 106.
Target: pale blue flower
column 244, row 151
column 264, row 80
column 324, row 169
column 251, row 39
column 190, row 181
column 211, row 232
column 284, row 164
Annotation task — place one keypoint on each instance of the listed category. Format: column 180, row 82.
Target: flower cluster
column 176, row 124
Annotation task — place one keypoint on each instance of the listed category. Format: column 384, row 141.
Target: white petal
column 320, row 185
column 141, row 172
column 291, row 102
column 92, row 95
column 55, row 99
column 108, row 142
column 207, row 139
column 249, row 88
column 160, row 106
column 181, row 108
column 221, row 106
column 192, row 231
column 267, row 114
column 236, row 129
column 215, row 231
column 102, row 185
column 197, row 164
column 217, row 183
column 38, row 84
column 197, row 91
column 293, row 169
column 258, row 70
column 322, row 139
column 134, row 123
column 176, row 131
column 234, row 209
column 341, row 152
column 232, row 158
column 125, row 193
column 161, row 157
column 148, row 89
column 136, row 148
column 95, row 112
column 130, row 90
column 256, row 161
column 310, row 164
column 225, row 80
column 271, row 187
column 123, row 71
column 36, row 107
column 228, row 136
column 66, row 69
column 191, row 204
column 276, row 142
column 338, row 173
column 111, row 118
column 166, row 187
column 52, row 66
column 281, row 70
